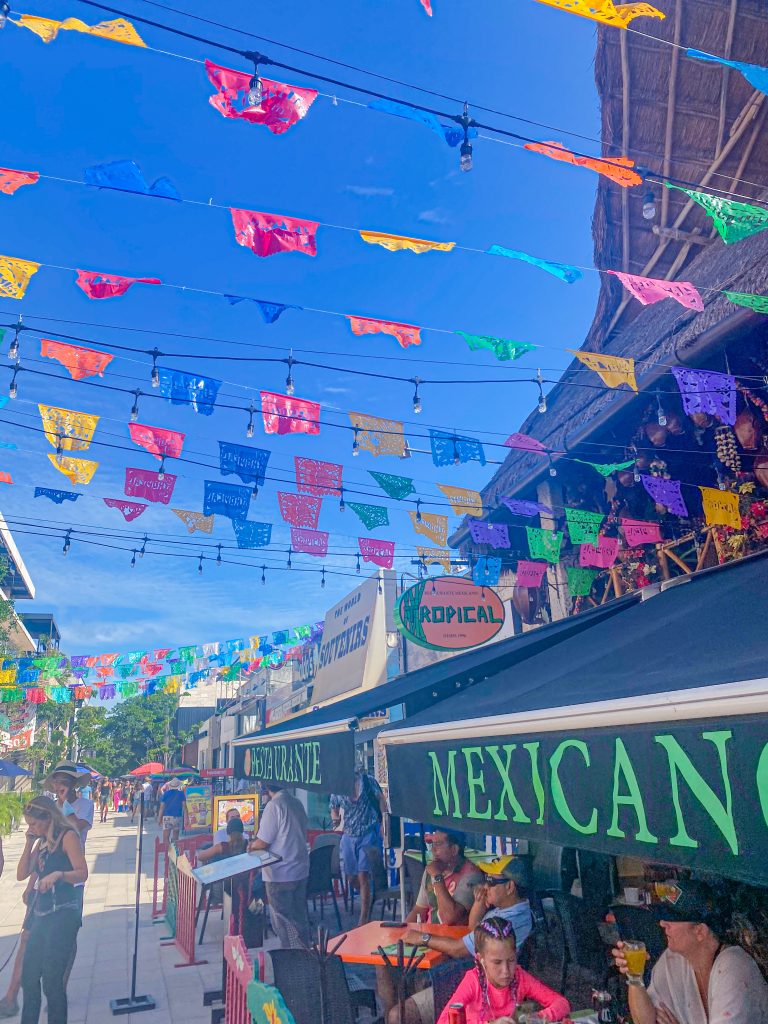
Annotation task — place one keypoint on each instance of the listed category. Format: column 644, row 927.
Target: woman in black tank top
column 53, row 855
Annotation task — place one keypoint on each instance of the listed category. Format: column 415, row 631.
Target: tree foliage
column 136, row 730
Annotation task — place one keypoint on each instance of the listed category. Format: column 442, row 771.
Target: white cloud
column 368, row 191
column 336, row 391
column 436, row 216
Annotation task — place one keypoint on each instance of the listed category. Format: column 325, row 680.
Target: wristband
column 437, row 878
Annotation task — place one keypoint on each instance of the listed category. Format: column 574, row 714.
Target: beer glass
column 636, row 956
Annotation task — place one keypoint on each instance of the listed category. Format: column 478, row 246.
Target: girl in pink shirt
column 492, row 991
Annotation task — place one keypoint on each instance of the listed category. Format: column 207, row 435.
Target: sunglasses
column 491, row 881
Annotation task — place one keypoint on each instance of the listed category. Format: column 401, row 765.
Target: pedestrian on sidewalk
column 105, row 791
column 135, row 800
column 361, row 834
column 53, row 856
column 66, row 782
column 283, row 831
column 170, row 816
column 116, row 794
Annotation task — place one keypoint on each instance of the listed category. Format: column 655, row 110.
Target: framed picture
column 199, row 807
column 246, row 803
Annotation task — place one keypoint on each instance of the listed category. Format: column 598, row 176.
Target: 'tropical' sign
column 449, row 613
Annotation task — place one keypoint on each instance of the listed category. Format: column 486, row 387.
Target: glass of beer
column 636, row 956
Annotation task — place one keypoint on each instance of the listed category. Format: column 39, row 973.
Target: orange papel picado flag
column 119, row 30
column 617, row 168
column 612, row 370
column 721, row 508
column 606, row 11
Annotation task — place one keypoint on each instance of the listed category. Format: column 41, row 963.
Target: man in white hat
column 65, row 781
column 170, row 816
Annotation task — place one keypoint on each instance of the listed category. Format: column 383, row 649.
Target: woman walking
column 53, row 856
column 116, row 796
column 104, row 794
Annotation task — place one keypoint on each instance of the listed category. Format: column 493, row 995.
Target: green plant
column 11, row 810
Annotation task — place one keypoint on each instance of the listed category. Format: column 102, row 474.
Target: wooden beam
column 625, row 83
column 725, row 78
column 671, row 107
column 675, row 235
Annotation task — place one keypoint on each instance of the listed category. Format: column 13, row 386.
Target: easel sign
column 247, row 804
column 199, row 808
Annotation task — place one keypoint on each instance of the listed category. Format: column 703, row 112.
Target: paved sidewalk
column 102, row 969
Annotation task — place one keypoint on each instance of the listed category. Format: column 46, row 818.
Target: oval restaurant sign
column 447, row 613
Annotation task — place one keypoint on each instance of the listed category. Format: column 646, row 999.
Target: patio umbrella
column 148, row 769
column 9, row 770
column 87, row 768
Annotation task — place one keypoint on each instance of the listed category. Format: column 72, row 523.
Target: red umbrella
column 148, row 769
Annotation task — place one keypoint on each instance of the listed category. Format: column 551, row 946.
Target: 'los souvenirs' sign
column 689, row 793
column 448, row 613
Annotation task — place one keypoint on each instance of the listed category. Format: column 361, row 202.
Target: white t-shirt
column 284, row 827
column 738, row 993
column 82, row 808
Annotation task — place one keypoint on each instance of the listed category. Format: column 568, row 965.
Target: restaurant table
column 361, row 943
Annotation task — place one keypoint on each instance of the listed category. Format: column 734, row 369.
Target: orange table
column 361, row 942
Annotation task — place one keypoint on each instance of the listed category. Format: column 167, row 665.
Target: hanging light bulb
column 289, row 385
column 660, row 415
column 465, row 151
column 255, row 87
column 355, row 443
column 263, row 575
column 649, row 205
column 416, row 396
column 255, row 492
column 249, row 428
column 456, row 457
column 13, row 348
column 161, row 470
column 632, row 453
column 155, row 375
column 342, row 505
column 357, row 568
column 143, row 549
column 5, row 10
column 290, row 564
column 59, row 449
column 542, row 399
column 322, row 578
column 406, row 450
column 552, row 470
column 67, row 544
column 133, row 560
column 13, row 390
column 200, row 564
column 418, row 510
column 135, row 406
column 218, row 557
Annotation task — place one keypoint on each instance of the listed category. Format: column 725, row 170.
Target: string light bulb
column 5, row 10
column 255, row 87
column 342, row 504
column 289, row 564
column 263, row 575
column 218, row 557
column 255, row 492
column 289, row 385
column 416, row 396
column 465, row 150
column 13, row 389
column 355, row 443
column 418, row 510
column 552, row 470
column 133, row 560
column 135, row 406
column 542, row 399
column 322, row 578
column 200, row 565
column 660, row 414
column 357, row 567
column 249, row 428
column 161, row 470
column 649, row 205
column 67, row 542
column 456, row 456
column 406, row 450
column 13, row 348
column 155, row 375
column 143, row 549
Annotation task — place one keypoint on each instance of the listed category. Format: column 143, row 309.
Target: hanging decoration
column 527, row 508
column 544, row 544
column 309, row 542
column 707, row 391
column 229, row 500
column 79, row 362
column 607, row 468
column 757, row 302
column 190, row 389
column 107, row 286
column 379, row 552
column 648, row 290
column 427, row 5
column 580, row 581
column 5, row 478
column 398, row 243
column 195, row 521
column 755, row 74
column 250, row 534
column 130, row 509
column 464, row 501
column 435, row 556
column 155, row 487
column 486, row 571
column 525, row 443
column 279, row 106
column 667, row 493
column 452, row 134
column 377, row 435
column 734, row 220
column 530, row 574
column 563, row 271
column 494, row 534
column 721, row 508
column 618, row 169
column 66, row 429
column 157, row 441
column 126, row 176
column 77, row 471
column 638, row 532
column 406, row 334
column 605, row 11
column 502, row 348
column 583, row 526
column 56, row 496
column 15, row 275
column 283, row 414
column 10, row 180
column 452, row 449
column 371, row 516
column 250, row 464
column 612, row 370
column 300, row 509
column 270, row 311
column 119, row 30
column 268, row 233
column 602, row 555
column 315, row 477
column 431, row 525
column 397, row 487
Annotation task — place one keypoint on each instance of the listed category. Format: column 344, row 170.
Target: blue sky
column 81, row 101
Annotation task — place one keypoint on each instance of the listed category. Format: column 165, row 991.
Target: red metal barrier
column 185, row 914
column 191, row 844
column 158, row 900
column 239, row 972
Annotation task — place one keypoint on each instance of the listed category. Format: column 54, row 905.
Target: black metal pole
column 134, row 1003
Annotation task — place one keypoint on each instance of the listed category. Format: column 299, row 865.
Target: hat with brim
column 75, row 775
column 688, row 901
column 174, row 784
column 507, row 866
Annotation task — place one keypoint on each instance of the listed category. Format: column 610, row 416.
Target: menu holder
column 218, row 870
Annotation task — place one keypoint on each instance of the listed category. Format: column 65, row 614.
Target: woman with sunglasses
column 494, row 988
column 53, row 856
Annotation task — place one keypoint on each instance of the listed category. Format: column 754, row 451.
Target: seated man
column 501, row 896
column 698, row 979
column 447, row 886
